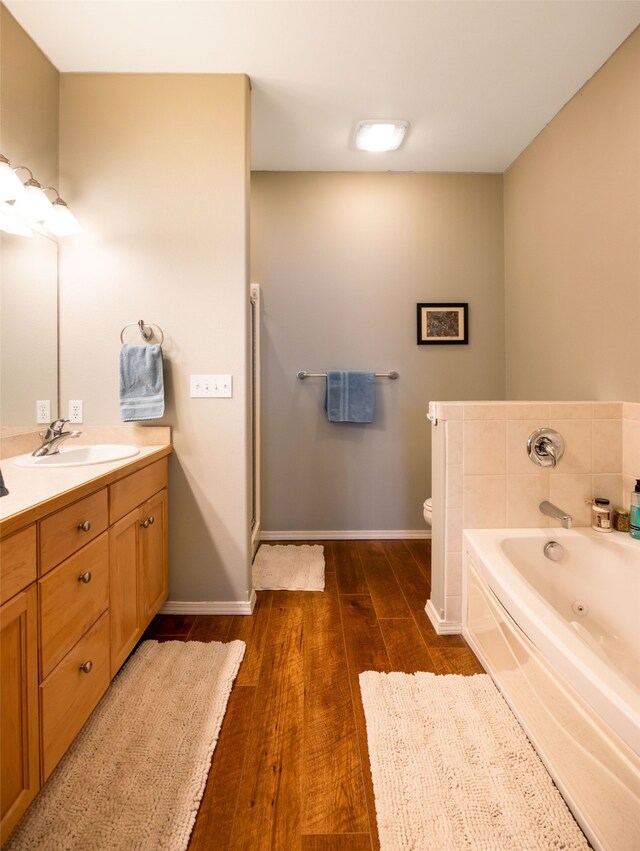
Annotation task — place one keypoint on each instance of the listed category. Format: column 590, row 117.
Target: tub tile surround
column 492, row 483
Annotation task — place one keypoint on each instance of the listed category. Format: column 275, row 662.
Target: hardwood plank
column 348, row 567
column 333, row 797
column 215, row 817
column 385, row 592
column 366, row 651
column 253, row 631
column 411, row 578
column 431, row 637
column 210, row 628
column 421, row 551
column 268, row 814
column 455, row 660
column 337, row 842
column 407, row 651
column 169, row 626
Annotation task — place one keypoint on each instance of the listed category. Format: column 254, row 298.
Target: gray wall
column 343, row 260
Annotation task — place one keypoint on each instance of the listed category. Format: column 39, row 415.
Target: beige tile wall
column 492, row 483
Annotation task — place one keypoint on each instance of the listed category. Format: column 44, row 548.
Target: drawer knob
column 85, row 577
column 145, row 523
column 152, row 520
column 86, row 666
column 85, row 526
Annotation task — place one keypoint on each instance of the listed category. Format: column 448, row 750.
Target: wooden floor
column 290, row 771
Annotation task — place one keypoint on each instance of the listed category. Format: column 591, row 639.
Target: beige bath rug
column 287, row 567
column 452, row 769
column 134, row 777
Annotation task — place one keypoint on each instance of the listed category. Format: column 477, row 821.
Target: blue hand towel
column 141, row 383
column 350, row 396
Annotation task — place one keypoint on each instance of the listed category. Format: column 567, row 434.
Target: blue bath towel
column 350, row 396
column 141, row 383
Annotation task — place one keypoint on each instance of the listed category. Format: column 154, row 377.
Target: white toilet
column 426, row 510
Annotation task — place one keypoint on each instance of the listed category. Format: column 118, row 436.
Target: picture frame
column 443, row 323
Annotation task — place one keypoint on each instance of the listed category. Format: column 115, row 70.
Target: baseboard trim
column 441, row 626
column 348, row 535
column 231, row 607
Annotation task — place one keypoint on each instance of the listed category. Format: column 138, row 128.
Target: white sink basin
column 80, row 456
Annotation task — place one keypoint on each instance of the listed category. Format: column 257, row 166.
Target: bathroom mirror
column 28, row 328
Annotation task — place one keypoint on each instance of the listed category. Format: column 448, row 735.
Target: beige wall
column 28, row 103
column 28, row 267
column 156, row 167
column 343, row 260
column 572, row 250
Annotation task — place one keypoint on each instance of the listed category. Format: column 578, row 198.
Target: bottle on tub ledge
column 634, row 512
column 600, row 514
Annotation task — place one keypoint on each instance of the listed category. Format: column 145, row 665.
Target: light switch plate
column 211, row 386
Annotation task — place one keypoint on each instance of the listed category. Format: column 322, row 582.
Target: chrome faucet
column 552, row 510
column 53, row 437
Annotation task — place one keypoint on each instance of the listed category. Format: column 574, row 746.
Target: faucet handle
column 57, row 426
column 545, row 447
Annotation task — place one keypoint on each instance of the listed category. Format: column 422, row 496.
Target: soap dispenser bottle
column 634, row 512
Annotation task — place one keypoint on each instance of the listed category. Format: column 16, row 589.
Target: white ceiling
column 477, row 80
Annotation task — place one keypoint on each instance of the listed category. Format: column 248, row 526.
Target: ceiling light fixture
column 378, row 136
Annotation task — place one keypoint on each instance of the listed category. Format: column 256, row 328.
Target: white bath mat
column 287, row 567
column 452, row 769
column 135, row 775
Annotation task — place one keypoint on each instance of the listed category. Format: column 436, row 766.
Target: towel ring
column 146, row 331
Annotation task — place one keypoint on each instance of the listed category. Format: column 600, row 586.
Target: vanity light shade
column 32, row 204
column 60, row 220
column 378, row 136
column 9, row 223
column 10, row 183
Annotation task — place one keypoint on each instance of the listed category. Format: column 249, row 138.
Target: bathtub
column 561, row 640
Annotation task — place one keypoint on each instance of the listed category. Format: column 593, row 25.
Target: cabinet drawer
column 17, row 562
column 64, row 532
column 133, row 490
column 72, row 597
column 68, row 695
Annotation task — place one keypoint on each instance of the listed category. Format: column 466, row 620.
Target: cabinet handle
column 86, row 667
column 85, row 526
column 145, row 523
column 85, row 577
column 152, row 520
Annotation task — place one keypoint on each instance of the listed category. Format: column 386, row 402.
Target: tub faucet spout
column 552, row 510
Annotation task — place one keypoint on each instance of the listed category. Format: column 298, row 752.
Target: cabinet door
column 153, row 556
column 123, row 587
column 19, row 740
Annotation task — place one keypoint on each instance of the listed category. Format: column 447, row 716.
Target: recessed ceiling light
column 374, row 135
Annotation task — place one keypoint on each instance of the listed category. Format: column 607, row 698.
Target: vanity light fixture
column 10, row 223
column 60, row 220
column 32, row 204
column 10, row 183
column 377, row 135
column 26, row 205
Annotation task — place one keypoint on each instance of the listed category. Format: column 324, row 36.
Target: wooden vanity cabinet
column 138, row 557
column 19, row 714
column 78, row 587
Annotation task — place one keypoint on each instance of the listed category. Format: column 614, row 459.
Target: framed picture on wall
column 440, row 323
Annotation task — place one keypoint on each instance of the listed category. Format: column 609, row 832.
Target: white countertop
column 30, row 486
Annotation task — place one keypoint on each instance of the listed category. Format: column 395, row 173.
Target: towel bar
column 302, row 374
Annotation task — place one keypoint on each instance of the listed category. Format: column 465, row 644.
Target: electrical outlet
column 211, row 386
column 43, row 411
column 75, row 410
